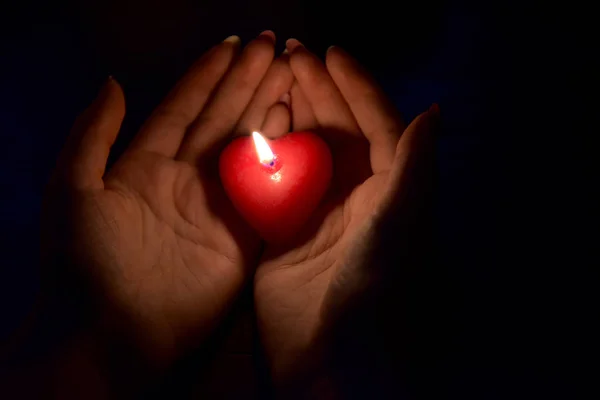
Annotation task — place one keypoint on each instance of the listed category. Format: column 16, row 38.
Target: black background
column 514, row 222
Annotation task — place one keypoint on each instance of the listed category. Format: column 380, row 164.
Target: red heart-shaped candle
column 275, row 185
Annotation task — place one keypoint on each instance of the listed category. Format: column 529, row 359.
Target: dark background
column 513, row 221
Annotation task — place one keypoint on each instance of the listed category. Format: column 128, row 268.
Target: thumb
column 82, row 162
column 410, row 176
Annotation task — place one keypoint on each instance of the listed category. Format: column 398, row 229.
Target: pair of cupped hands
column 162, row 253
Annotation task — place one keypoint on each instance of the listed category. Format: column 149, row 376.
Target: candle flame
column 265, row 155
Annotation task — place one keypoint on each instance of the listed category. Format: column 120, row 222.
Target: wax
column 278, row 193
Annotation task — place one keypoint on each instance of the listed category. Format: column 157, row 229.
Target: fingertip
column 332, row 57
column 83, row 160
column 301, row 61
column 336, row 57
column 299, row 55
column 116, row 88
column 233, row 39
column 111, row 108
column 337, row 51
column 262, row 47
column 268, row 35
column 419, row 129
column 421, row 121
column 111, row 96
column 230, row 45
column 434, row 110
column 331, row 54
column 261, row 51
column 427, row 118
column 293, row 44
column 286, row 99
column 333, row 49
column 284, row 56
column 106, row 88
column 344, row 68
column 218, row 58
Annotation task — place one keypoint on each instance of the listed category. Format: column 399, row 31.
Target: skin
column 158, row 241
column 159, row 253
column 305, row 288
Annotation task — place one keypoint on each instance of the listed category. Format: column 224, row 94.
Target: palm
column 184, row 261
column 291, row 283
column 155, row 236
column 297, row 285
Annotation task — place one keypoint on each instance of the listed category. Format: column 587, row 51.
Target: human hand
column 155, row 238
column 365, row 229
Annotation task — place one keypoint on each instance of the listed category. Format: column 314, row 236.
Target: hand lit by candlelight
column 159, row 211
column 304, row 291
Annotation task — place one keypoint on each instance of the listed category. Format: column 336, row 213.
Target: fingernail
column 233, row 39
column 293, row 44
column 268, row 34
column 107, row 82
column 105, row 89
column 285, row 99
column 285, row 56
column 434, row 118
column 339, row 50
column 434, row 109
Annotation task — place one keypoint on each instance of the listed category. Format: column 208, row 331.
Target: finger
column 337, row 125
column 82, row 162
column 277, row 121
column 285, row 99
column 222, row 113
column 275, row 84
column 326, row 101
column 412, row 152
column 291, row 45
column 303, row 117
column 166, row 127
column 377, row 117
